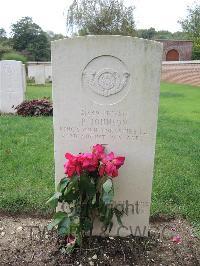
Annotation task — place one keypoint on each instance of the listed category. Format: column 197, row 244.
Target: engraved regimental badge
column 105, row 76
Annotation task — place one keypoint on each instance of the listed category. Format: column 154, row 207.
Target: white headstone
column 40, row 74
column 11, row 85
column 40, row 71
column 24, row 77
column 106, row 91
column 48, row 72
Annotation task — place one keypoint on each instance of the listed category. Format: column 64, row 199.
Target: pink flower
column 117, row 161
column 111, row 164
column 89, row 162
column 98, row 150
column 176, row 239
column 73, row 165
column 111, row 169
column 71, row 240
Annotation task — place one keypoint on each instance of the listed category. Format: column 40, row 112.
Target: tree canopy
column 100, row 17
column 54, row 36
column 152, row 34
column 30, row 39
column 191, row 26
column 2, row 33
column 146, row 33
column 5, row 46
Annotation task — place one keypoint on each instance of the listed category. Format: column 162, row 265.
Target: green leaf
column 91, row 191
column 86, row 224
column 107, row 198
column 107, row 186
column 58, row 217
column 86, row 185
column 118, row 214
column 71, row 192
column 84, row 181
column 54, row 199
column 64, row 226
column 109, row 215
column 94, row 199
column 102, row 211
column 110, row 226
column 108, row 218
column 62, row 185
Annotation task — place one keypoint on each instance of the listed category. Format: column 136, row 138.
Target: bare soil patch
column 26, row 241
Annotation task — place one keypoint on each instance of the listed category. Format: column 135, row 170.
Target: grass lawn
column 26, row 156
column 39, row 91
column 176, row 187
column 26, row 159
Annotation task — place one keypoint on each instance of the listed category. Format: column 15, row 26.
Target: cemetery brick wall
column 181, row 72
column 174, row 72
column 184, row 48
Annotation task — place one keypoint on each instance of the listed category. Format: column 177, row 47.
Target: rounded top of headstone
column 108, row 37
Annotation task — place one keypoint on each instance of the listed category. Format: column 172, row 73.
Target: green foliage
column 29, row 38
column 100, row 17
column 54, row 36
column 191, row 26
column 2, row 33
column 40, row 48
column 14, row 56
column 179, row 35
column 196, row 51
column 89, row 197
column 146, row 33
column 24, row 32
column 5, row 46
column 4, row 49
column 167, row 35
column 151, row 33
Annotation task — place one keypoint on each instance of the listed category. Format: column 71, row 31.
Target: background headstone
column 48, row 72
column 39, row 71
column 40, row 74
column 24, row 77
column 12, row 85
column 106, row 91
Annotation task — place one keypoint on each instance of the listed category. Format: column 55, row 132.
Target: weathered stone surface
column 106, row 90
column 12, row 85
column 41, row 72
